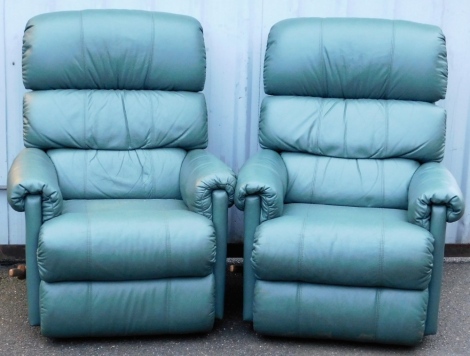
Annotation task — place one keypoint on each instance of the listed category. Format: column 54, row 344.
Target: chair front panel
column 134, row 174
column 351, row 128
column 349, row 182
column 114, row 119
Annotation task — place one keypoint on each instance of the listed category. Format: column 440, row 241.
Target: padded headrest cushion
column 356, row 58
column 113, row 49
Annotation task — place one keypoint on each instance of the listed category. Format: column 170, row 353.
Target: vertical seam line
column 89, row 306
column 345, row 135
column 167, row 242
column 387, row 128
column 88, row 242
column 315, row 169
column 323, row 58
column 151, row 54
column 377, row 313
column 382, row 171
column 85, row 119
column 319, row 126
column 381, row 249
column 298, row 302
column 167, row 304
column 126, row 121
column 88, row 262
column 301, row 244
column 82, row 42
column 392, row 52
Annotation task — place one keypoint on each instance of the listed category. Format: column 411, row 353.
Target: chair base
column 166, row 306
column 379, row 315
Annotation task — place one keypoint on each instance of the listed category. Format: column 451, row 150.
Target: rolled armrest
column 433, row 184
column 33, row 172
column 264, row 174
column 201, row 174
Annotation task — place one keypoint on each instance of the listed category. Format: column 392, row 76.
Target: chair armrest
column 33, row 173
column 433, row 184
column 264, row 174
column 201, row 174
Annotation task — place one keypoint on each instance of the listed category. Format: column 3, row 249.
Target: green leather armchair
column 126, row 214
column 346, row 204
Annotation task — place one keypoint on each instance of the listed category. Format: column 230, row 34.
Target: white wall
column 235, row 33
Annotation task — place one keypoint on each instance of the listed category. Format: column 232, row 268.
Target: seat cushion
column 351, row 246
column 116, row 240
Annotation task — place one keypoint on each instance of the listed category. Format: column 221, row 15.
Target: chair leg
column 18, row 272
column 252, row 219
column 220, row 220
column 438, row 230
column 33, row 211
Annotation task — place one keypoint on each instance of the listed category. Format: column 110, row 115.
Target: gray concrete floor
column 232, row 336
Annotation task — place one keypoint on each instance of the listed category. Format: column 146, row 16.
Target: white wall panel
column 235, row 33
column 3, row 109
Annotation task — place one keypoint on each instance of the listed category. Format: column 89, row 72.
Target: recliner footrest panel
column 167, row 306
column 335, row 312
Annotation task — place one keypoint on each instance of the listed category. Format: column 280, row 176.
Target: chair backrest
column 115, row 100
column 351, row 107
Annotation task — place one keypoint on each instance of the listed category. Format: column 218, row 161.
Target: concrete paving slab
column 232, row 336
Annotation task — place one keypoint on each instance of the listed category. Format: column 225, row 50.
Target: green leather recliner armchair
column 347, row 203
column 126, row 215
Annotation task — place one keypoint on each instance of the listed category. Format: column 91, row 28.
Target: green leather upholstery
column 431, row 185
column 93, row 52
column 172, row 119
column 346, row 205
column 398, row 60
column 33, row 173
column 162, row 306
column 126, row 215
column 201, row 174
column 361, row 128
column 265, row 175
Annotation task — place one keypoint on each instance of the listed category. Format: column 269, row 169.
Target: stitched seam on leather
column 345, row 135
column 167, row 304
column 151, row 54
column 381, row 249
column 126, row 121
column 152, row 174
column 152, row 121
column 88, row 242
column 319, row 126
column 392, row 52
column 85, row 185
column 167, row 242
column 298, row 300
column 323, row 58
column 377, row 313
column 382, row 172
column 82, row 42
column 85, row 119
column 89, row 307
column 301, row 243
column 387, row 127
column 312, row 194
column 88, row 262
